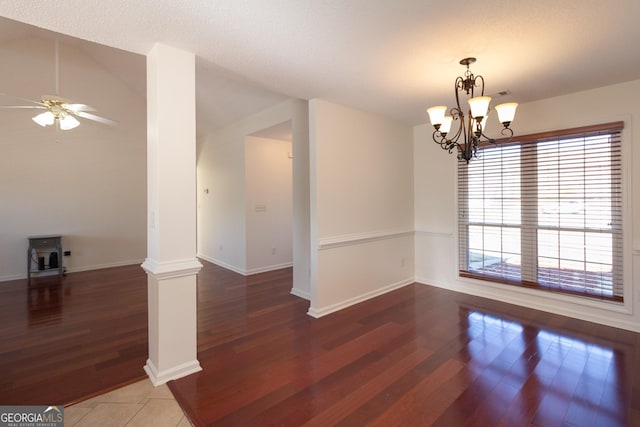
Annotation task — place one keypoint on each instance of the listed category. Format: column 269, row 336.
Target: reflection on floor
column 419, row 355
column 139, row 404
column 553, row 375
column 63, row 341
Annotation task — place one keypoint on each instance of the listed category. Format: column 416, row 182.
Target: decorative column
column 171, row 263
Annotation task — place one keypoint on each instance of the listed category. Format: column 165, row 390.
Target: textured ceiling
column 392, row 57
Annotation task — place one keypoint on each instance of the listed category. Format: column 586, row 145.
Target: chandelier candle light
column 470, row 133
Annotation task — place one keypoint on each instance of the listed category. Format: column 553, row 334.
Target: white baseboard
column 550, row 305
column 269, row 268
column 300, row 293
column 223, row 264
column 243, row 271
column 101, row 266
column 13, row 277
column 160, row 377
column 319, row 312
column 77, row 269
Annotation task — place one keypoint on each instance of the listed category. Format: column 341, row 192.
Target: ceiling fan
column 59, row 111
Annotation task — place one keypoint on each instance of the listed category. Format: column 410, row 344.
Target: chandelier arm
column 459, row 85
column 457, row 111
column 487, row 139
column 443, row 142
column 457, row 115
column 507, row 132
column 480, row 134
column 475, row 83
column 439, row 139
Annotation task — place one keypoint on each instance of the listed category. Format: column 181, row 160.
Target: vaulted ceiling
column 392, row 57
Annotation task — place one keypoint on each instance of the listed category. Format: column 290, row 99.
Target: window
column 546, row 212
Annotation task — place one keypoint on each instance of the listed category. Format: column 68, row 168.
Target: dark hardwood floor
column 416, row 356
column 62, row 342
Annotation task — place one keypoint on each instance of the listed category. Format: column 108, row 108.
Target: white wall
column 90, row 187
column 269, row 204
column 221, row 199
column 222, row 215
column 361, row 205
column 435, row 208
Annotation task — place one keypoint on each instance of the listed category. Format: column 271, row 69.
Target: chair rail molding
column 360, row 238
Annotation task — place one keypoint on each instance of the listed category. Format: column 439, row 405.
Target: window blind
column 545, row 211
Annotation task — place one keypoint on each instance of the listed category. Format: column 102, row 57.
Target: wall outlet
column 67, row 253
column 273, row 251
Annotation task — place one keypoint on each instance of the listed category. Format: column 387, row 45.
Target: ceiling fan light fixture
column 68, row 122
column 44, row 119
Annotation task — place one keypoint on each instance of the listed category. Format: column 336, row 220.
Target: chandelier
column 470, row 132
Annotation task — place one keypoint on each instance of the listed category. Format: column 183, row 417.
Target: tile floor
column 139, row 404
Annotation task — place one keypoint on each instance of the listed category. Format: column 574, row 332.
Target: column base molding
column 160, row 377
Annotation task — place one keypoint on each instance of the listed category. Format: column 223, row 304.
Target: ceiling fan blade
column 23, row 99
column 90, row 116
column 79, row 107
column 24, row 106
